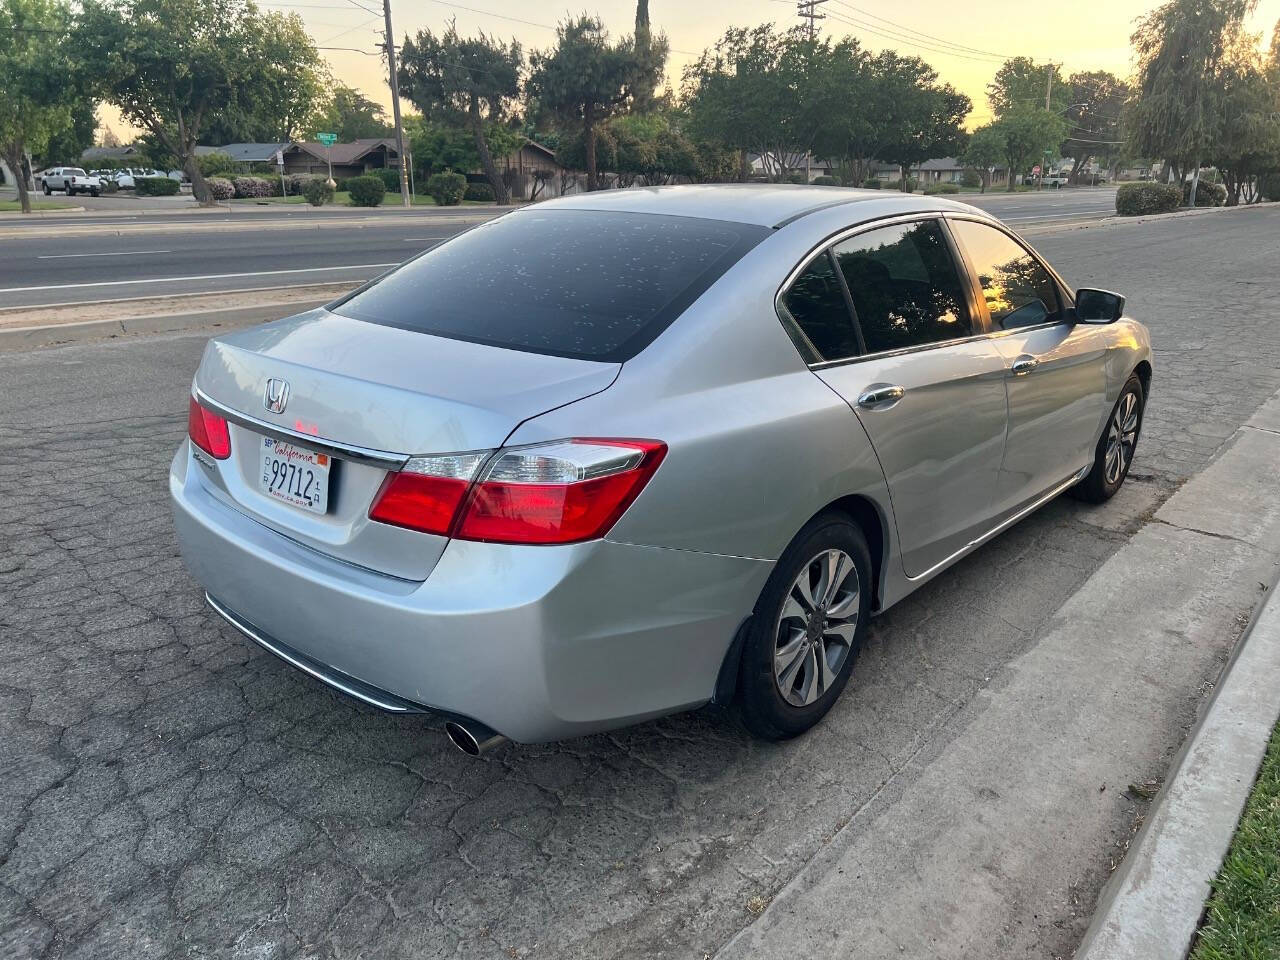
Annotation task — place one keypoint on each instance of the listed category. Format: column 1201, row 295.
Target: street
column 173, row 791
column 43, row 262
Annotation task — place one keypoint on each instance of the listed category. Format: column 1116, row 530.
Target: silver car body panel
column 541, row 642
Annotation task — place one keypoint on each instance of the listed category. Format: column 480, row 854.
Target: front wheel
column 806, row 629
column 46, row 188
column 1114, row 453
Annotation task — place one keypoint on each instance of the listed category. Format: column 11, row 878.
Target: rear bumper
column 539, row 643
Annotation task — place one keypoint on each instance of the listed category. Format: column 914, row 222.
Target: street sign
column 1036, row 169
column 279, row 158
column 328, row 139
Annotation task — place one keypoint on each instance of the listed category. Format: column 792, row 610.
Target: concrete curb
column 55, row 334
column 1114, row 221
column 1153, row 903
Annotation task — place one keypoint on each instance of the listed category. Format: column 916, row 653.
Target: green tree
column 171, row 66
column 586, row 79
column 1095, row 114
column 437, row 147
column 925, row 117
column 984, row 152
column 75, row 138
column 1021, row 82
column 1028, row 133
column 353, row 116
column 1180, row 48
column 1247, row 141
column 285, row 91
column 35, row 99
column 466, row 81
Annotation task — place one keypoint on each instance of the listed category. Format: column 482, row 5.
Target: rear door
column 1056, row 378
column 911, row 362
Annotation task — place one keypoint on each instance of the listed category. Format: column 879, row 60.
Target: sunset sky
column 1080, row 36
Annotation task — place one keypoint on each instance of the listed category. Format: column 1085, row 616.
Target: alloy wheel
column 816, row 626
column 1122, row 438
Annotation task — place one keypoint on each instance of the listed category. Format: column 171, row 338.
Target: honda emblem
column 277, row 395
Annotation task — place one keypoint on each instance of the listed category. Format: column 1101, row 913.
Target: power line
column 921, row 33
column 910, row 42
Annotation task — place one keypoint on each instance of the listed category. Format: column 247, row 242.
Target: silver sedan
column 618, row 455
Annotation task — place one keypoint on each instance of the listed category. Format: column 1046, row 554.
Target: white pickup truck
column 71, row 179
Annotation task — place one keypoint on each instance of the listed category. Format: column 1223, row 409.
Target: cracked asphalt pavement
column 172, row 791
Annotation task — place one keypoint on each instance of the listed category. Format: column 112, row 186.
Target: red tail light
column 562, row 492
column 208, row 431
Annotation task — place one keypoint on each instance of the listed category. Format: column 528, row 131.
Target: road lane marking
column 207, row 276
column 122, row 253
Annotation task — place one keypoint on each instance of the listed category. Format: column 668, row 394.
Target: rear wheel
column 807, row 629
column 1116, row 446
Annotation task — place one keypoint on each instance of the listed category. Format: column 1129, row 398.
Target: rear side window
column 816, row 304
column 574, row 283
column 1018, row 289
column 905, row 288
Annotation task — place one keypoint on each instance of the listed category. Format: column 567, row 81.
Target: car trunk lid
column 381, row 393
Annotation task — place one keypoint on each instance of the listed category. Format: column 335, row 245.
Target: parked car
column 617, row 455
column 124, row 179
column 71, row 179
column 1056, row 180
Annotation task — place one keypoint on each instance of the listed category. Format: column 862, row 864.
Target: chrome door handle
column 880, row 397
column 1024, row 365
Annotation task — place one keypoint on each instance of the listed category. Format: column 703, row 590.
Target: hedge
column 1207, row 194
column 366, row 191
column 252, row 188
column 1269, row 186
column 296, row 183
column 481, row 192
column 156, row 187
column 448, row 188
column 971, row 178
column 872, row 183
column 221, row 188
column 318, row 192
column 1137, row 199
column 933, row 188
column 826, row 182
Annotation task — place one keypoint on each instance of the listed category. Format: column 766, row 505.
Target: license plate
column 295, row 475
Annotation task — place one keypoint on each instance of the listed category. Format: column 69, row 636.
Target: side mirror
column 1098, row 306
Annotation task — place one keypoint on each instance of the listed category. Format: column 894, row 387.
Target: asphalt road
column 149, row 254
column 172, row 792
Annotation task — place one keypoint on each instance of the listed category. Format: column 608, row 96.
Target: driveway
column 172, row 792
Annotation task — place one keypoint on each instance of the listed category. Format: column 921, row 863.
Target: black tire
column 766, row 711
column 70, row 192
column 93, row 193
column 1096, row 487
column 45, row 187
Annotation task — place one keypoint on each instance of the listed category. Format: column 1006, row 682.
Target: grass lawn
column 1243, row 918
column 343, row 199
column 12, row 206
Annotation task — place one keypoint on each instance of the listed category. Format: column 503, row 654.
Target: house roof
column 245, row 152
column 103, row 153
column 342, row 153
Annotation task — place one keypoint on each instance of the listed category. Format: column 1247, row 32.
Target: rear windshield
column 573, row 283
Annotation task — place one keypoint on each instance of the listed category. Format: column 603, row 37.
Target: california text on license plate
column 295, row 475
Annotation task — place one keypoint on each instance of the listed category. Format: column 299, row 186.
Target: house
column 349, row 159
column 795, row 162
column 533, row 173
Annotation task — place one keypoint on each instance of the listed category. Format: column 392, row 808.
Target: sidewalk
column 1023, row 812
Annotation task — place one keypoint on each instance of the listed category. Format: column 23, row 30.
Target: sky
column 1092, row 36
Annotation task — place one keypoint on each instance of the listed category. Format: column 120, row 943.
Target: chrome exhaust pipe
column 473, row 738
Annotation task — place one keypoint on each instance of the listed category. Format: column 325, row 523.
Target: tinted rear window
column 574, row 283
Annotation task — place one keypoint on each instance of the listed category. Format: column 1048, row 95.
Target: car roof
column 762, row 204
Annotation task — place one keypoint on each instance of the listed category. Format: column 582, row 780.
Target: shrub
column 970, row 178
column 156, row 187
column 1144, row 197
column 216, row 165
column 296, row 183
column 447, row 188
column 908, row 185
column 317, row 192
column 826, row 182
column 1207, row 194
column 479, row 191
column 935, row 188
column 110, row 186
column 872, row 183
column 390, row 179
column 221, row 188
column 1269, row 186
column 366, row 191
column 251, row 188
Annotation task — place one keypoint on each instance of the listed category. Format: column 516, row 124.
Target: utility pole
column 395, row 105
column 808, row 10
